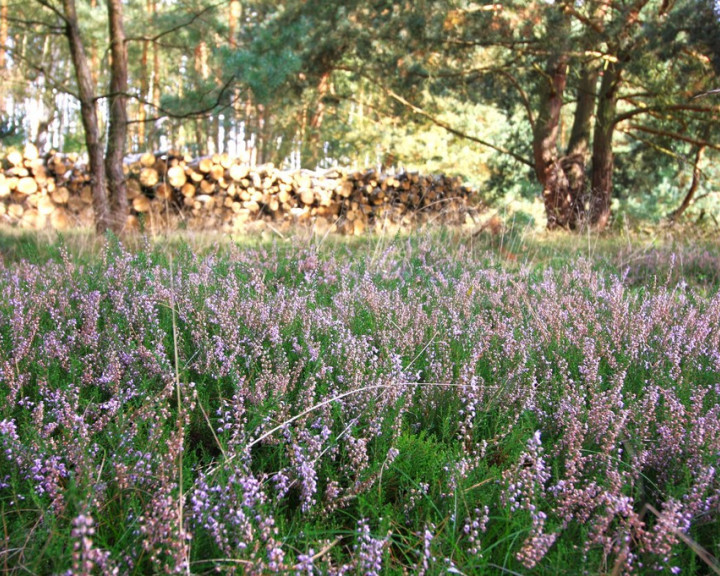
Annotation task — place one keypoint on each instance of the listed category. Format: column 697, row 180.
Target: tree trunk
column 605, row 121
column 602, row 156
column 144, row 89
column 563, row 178
column 3, row 55
column 675, row 214
column 88, row 113
column 3, row 32
column 200, row 148
column 155, row 81
column 314, row 146
column 558, row 206
column 575, row 161
column 117, row 130
column 233, row 16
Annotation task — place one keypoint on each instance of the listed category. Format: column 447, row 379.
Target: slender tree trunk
column 199, row 145
column 602, row 156
column 3, row 56
column 233, row 17
column 605, row 120
column 575, row 161
column 155, row 81
column 95, row 70
column 314, row 145
column 215, row 136
column 679, row 211
column 235, row 13
column 144, row 88
column 3, row 32
column 117, row 131
column 227, row 126
column 558, row 207
column 88, row 113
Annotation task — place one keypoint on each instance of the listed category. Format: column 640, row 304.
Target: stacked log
column 170, row 190
column 37, row 192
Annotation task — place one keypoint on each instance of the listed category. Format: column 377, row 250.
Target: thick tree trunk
column 117, row 130
column 88, row 113
column 602, row 156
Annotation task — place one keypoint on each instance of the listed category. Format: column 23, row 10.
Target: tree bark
column 155, row 81
column 602, row 156
column 3, row 54
column 675, row 214
column 558, row 204
column 3, row 32
column 117, row 130
column 88, row 113
column 144, row 88
column 575, row 161
column 606, row 116
column 563, row 178
column 233, row 17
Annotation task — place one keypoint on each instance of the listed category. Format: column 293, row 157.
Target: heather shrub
column 695, row 265
column 404, row 410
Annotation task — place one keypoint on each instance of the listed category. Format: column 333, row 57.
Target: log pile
column 169, row 190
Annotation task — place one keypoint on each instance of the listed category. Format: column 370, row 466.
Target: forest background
column 600, row 108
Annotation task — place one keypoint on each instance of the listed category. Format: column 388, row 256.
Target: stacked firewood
column 168, row 190
column 37, row 192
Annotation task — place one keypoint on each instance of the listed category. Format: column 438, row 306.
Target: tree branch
column 177, row 27
column 455, row 131
column 54, row 9
column 674, row 136
column 165, row 113
column 54, row 28
column 670, row 108
column 523, row 96
column 597, row 27
column 41, row 69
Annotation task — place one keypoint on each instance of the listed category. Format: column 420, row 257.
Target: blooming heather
column 289, row 410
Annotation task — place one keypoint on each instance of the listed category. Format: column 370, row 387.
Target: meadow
column 427, row 404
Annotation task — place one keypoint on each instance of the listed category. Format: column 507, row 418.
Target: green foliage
column 12, row 133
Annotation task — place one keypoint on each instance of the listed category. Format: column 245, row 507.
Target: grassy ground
column 505, row 402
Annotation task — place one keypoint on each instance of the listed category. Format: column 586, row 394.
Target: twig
column 703, row 554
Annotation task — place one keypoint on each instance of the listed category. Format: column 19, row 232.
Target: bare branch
column 523, row 95
column 54, row 9
column 31, row 23
column 165, row 113
column 455, row 131
column 41, row 69
column 715, row 91
column 673, row 135
column 669, row 108
column 177, row 27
